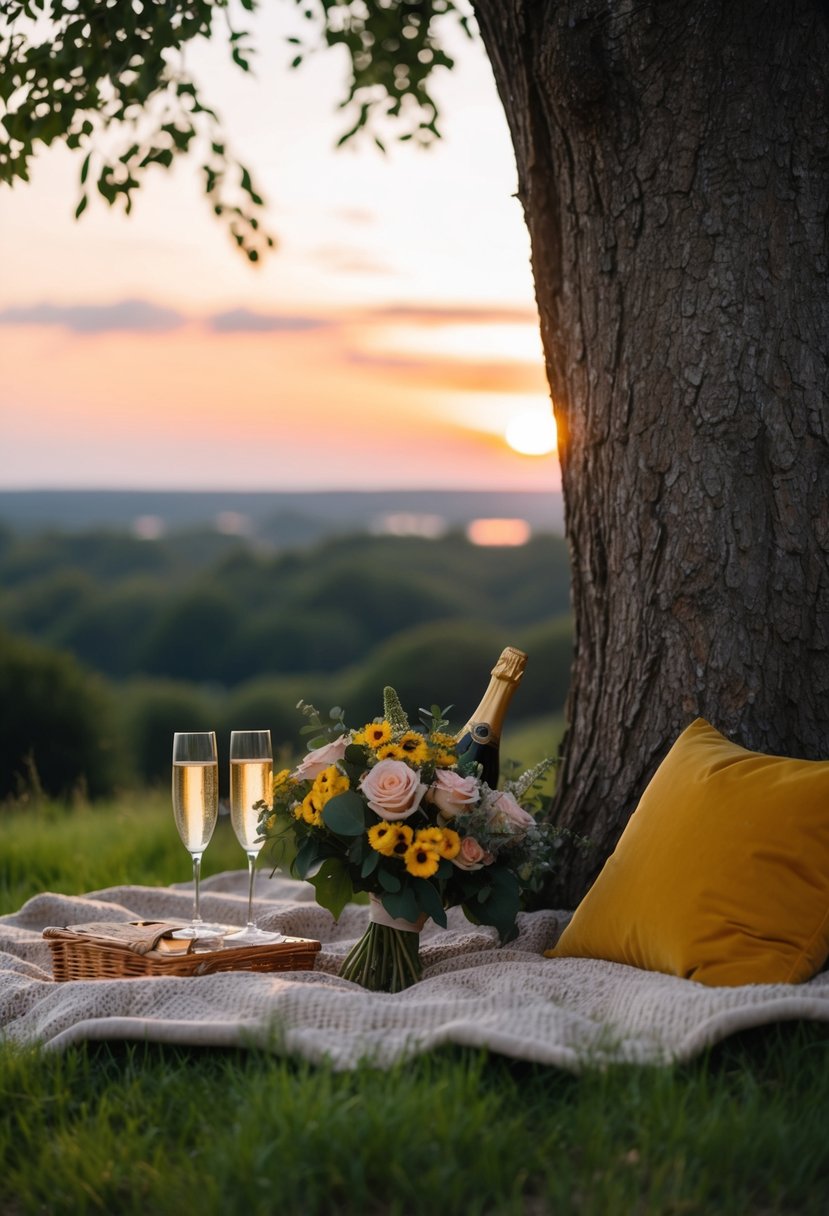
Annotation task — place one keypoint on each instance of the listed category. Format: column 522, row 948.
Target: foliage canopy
column 110, row 79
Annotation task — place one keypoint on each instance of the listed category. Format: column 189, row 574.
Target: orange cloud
column 261, row 398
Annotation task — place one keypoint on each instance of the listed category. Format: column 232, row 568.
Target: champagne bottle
column 480, row 739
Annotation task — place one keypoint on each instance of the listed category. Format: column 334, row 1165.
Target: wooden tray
column 76, row 956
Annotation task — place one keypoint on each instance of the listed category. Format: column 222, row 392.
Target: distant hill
column 278, row 519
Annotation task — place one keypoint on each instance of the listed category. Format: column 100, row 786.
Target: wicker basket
column 79, row 957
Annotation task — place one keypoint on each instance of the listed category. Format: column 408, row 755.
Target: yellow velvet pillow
column 722, row 873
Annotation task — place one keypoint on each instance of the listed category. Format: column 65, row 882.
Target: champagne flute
column 196, row 808
column 251, row 781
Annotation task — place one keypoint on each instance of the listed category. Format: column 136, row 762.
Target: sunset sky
column 391, row 339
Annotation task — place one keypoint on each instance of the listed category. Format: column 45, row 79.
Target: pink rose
column 505, row 815
column 320, row 758
column 472, row 855
column 392, row 789
column 453, row 794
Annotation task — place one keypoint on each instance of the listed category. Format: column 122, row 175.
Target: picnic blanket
column 564, row 1012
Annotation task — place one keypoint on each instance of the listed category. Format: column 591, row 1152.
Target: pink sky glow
column 390, row 340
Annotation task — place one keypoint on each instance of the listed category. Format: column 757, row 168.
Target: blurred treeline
column 109, row 643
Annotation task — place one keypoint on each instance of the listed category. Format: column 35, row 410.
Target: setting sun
column 532, row 432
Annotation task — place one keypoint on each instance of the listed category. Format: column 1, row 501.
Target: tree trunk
column 673, row 165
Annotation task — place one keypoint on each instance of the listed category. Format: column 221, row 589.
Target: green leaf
column 359, row 849
column 498, row 904
column 390, row 882
column 402, row 906
column 429, row 901
column 345, row 814
column 333, row 886
column 370, row 863
column 307, row 857
column 81, row 207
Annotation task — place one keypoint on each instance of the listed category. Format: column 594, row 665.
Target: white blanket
column 564, row 1012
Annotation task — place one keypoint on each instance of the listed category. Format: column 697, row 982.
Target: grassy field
column 51, row 847
column 144, row 1129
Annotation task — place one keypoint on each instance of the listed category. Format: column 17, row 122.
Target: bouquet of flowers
column 394, row 811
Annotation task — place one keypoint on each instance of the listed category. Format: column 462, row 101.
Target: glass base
column 252, row 936
column 199, row 929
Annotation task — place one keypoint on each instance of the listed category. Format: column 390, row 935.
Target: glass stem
column 196, row 875
column 252, row 875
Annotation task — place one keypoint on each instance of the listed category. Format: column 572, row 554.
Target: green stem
column 384, row 959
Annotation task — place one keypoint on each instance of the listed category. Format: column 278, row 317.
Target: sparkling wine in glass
column 196, row 808
column 251, row 781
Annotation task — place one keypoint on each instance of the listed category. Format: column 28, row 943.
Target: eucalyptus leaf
column 370, row 863
column 403, row 905
column 345, row 814
column 429, row 901
column 390, row 882
column 332, row 884
column 308, row 855
column 500, row 905
column 357, row 850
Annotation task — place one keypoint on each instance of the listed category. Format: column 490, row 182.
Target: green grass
column 50, row 846
column 146, row 1129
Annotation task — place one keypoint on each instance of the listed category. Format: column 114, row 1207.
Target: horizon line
column 392, row 489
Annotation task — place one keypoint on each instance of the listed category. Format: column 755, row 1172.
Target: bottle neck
column 487, row 721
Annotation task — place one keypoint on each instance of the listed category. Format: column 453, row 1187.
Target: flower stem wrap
column 386, row 958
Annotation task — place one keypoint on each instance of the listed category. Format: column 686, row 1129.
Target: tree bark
column 673, row 166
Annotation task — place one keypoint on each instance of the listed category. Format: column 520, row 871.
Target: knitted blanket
column 564, row 1012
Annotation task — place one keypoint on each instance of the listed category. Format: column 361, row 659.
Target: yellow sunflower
column 431, row 837
column 391, row 751
column 444, row 759
column 445, row 840
column 329, row 783
column 415, row 747
column 441, row 740
column 375, row 734
column 450, row 845
column 282, row 779
column 311, row 808
column 421, row 860
column 402, row 841
column 382, row 838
